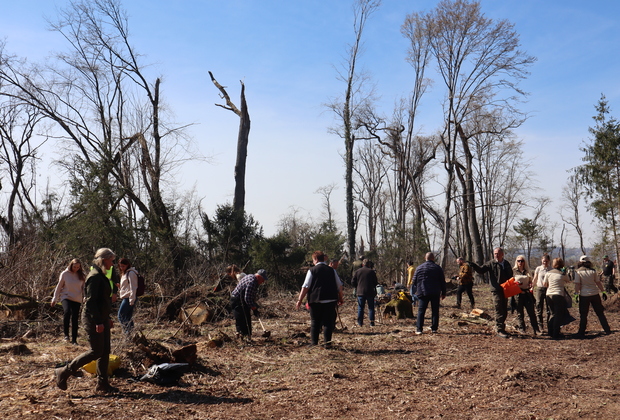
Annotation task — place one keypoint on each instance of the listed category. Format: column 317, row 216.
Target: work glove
column 604, row 296
column 576, row 298
column 256, row 313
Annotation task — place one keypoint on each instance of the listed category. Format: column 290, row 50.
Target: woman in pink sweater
column 70, row 292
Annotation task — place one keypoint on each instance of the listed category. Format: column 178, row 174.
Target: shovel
column 266, row 333
column 343, row 327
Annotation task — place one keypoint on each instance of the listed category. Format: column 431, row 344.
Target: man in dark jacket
column 430, row 284
column 324, row 290
column 365, row 283
column 499, row 271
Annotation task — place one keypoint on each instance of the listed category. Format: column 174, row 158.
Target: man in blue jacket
column 430, row 284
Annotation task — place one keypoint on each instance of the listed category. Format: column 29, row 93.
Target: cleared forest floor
column 463, row 372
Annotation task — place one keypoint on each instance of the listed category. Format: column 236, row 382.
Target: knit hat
column 262, row 273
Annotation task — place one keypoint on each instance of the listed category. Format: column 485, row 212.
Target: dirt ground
column 463, row 372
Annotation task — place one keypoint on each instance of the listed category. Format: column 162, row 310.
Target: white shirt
column 539, row 275
column 69, row 287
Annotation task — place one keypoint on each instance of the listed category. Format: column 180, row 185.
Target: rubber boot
column 62, row 374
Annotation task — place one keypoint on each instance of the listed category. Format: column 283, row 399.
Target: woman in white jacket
column 70, row 293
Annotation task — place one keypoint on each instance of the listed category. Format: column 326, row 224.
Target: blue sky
column 286, row 51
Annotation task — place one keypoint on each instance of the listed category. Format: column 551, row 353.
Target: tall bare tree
column 570, row 211
column 500, row 196
column 347, row 108
column 371, row 172
column 242, row 142
column 478, row 60
column 326, row 192
column 18, row 154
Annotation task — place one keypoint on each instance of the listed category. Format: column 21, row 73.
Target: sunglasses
column 520, row 260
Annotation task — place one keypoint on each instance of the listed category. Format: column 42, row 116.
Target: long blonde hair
column 526, row 266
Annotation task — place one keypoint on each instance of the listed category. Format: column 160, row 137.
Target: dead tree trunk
column 242, row 142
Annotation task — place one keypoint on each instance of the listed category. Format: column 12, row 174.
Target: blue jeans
column 414, row 297
column 125, row 314
column 361, row 301
column 424, row 301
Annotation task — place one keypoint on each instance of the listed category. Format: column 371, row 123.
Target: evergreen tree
column 601, row 171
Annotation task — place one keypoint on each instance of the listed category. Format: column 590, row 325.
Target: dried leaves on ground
column 463, row 372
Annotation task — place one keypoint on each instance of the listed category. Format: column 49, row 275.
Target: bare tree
column 18, row 154
column 242, row 141
column 326, row 193
column 370, row 173
column 100, row 100
column 500, row 196
column 477, row 59
column 346, row 108
column 571, row 196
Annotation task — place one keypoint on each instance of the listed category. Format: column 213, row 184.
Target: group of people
column 323, row 290
column 548, row 281
column 97, row 292
column 545, row 287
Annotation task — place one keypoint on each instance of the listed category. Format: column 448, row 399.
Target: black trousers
column 599, row 310
column 525, row 300
column 243, row 316
column 322, row 316
column 541, row 294
column 468, row 288
column 71, row 316
column 609, row 284
column 557, row 305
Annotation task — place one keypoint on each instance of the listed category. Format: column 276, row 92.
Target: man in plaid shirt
column 243, row 300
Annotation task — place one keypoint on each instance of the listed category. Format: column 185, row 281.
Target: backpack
column 141, row 285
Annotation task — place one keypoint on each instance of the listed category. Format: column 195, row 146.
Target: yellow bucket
column 115, row 363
